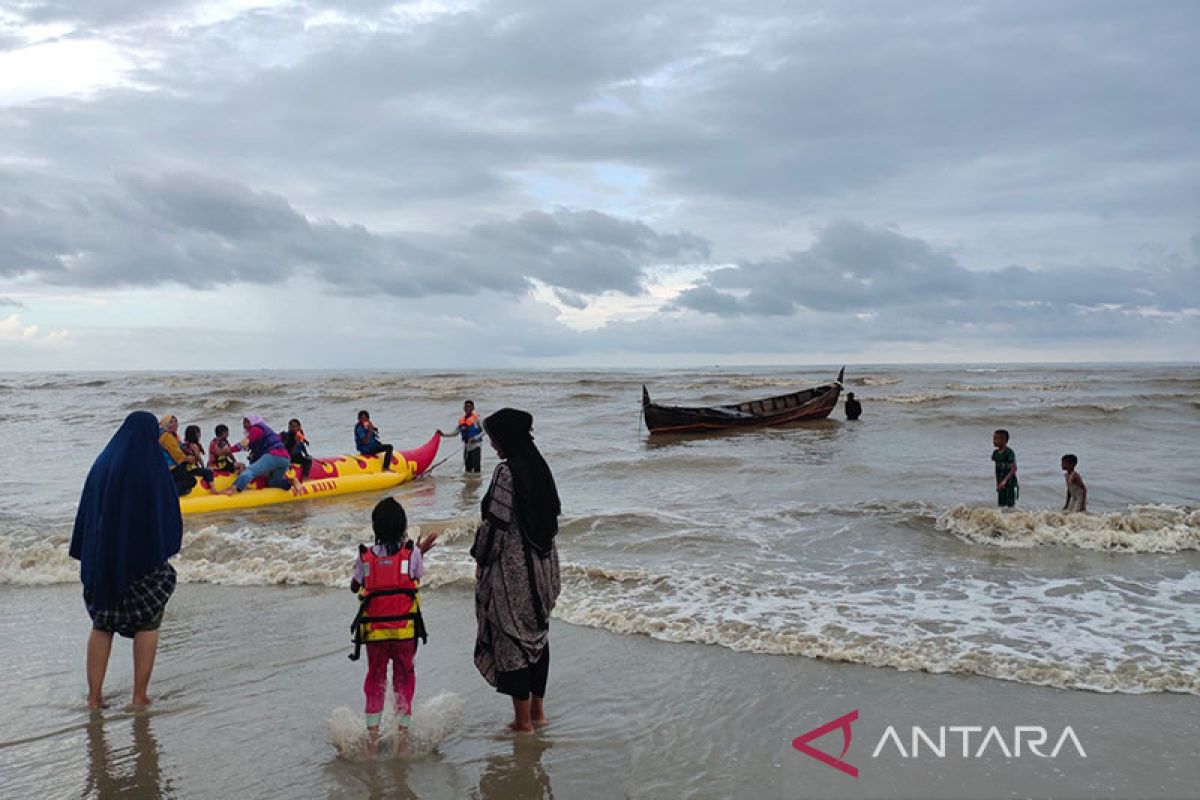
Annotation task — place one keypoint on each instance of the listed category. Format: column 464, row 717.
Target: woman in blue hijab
column 127, row 527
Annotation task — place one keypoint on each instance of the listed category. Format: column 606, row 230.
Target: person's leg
column 374, row 687
column 145, row 647
column 387, row 456
column 516, row 684
column 184, row 480
column 404, row 678
column 250, row 473
column 98, row 648
column 278, row 475
column 522, row 719
column 537, row 690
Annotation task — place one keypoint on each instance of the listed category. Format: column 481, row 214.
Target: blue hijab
column 128, row 522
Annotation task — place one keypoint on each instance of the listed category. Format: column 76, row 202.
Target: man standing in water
column 1007, row 490
column 853, row 407
column 472, row 435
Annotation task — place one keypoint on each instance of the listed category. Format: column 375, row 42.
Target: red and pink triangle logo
column 843, row 722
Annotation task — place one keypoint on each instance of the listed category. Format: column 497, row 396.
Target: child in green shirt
column 1007, row 490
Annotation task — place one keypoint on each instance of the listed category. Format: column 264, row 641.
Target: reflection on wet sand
column 519, row 774
column 131, row 771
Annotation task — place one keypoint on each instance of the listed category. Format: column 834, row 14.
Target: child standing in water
column 1076, row 489
column 1007, row 490
column 387, row 578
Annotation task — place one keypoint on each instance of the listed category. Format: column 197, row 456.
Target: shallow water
column 873, row 542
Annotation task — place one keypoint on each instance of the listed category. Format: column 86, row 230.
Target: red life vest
column 391, row 601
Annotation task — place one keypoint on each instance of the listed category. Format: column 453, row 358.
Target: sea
column 876, row 542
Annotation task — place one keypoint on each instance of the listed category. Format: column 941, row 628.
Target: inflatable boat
column 328, row 477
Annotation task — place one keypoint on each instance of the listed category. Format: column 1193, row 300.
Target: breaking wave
column 1140, row 529
column 1013, row 387
column 241, row 557
column 875, row 380
column 869, row 628
column 913, row 399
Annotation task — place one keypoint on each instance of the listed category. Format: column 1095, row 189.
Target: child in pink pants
column 390, row 523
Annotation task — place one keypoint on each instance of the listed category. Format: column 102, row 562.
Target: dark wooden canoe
column 807, row 404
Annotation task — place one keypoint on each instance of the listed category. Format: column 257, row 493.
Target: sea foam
column 1138, row 529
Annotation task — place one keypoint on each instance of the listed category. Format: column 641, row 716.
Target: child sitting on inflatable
column 220, row 452
column 195, row 453
column 387, row 578
column 366, row 440
column 297, row 446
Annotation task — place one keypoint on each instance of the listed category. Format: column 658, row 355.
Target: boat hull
column 328, row 477
column 806, row 405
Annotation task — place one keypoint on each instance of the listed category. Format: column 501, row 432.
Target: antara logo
column 843, row 722
column 1033, row 737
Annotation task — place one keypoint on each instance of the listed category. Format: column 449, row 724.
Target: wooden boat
column 807, row 404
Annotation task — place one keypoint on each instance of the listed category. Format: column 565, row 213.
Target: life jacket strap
column 361, row 618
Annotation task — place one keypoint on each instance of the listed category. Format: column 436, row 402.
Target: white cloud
column 60, row 67
column 13, row 330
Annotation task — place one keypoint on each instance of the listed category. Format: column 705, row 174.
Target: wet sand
column 249, row 677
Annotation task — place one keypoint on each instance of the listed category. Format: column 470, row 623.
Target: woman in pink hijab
column 268, row 456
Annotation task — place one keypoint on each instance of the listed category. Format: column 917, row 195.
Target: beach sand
column 248, row 679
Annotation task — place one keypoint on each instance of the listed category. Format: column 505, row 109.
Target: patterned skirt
column 140, row 608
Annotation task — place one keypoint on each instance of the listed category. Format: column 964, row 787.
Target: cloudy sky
column 349, row 183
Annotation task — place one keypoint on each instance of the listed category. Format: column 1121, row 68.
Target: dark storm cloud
column 1075, row 106
column 852, row 267
column 201, row 232
column 1061, row 133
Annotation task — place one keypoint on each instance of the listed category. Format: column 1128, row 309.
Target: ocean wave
column 828, row 624
column 1014, row 387
column 933, row 656
column 739, row 384
column 584, row 397
column 218, row 405
column 914, row 399
column 902, row 625
column 875, row 380
column 1140, row 529
column 241, row 557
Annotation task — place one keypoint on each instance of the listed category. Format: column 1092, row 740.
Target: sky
column 475, row 184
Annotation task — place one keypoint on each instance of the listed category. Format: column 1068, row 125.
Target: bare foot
column 138, row 704
column 516, row 728
column 96, row 703
column 403, row 743
column 372, row 740
column 541, row 722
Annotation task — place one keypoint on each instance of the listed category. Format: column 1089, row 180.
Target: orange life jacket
column 389, row 601
column 390, row 598
column 469, row 427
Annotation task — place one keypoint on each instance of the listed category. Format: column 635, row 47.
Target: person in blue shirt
column 366, row 440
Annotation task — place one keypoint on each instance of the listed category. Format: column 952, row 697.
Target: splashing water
column 432, row 721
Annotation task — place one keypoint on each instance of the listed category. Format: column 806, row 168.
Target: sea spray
column 432, row 721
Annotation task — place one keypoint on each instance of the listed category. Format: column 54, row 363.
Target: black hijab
column 535, row 497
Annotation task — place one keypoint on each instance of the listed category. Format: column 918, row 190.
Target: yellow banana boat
column 326, row 478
